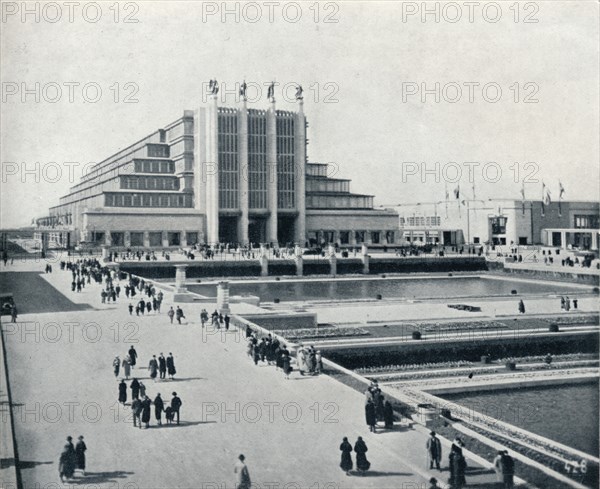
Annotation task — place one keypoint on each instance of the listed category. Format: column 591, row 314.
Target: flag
column 457, row 192
column 543, row 199
column 523, row 197
column 447, row 198
column 561, row 191
column 548, row 198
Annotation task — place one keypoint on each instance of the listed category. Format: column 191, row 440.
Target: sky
column 516, row 87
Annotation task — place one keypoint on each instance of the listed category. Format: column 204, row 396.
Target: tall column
column 563, row 240
column 211, row 171
column 243, row 172
column 332, row 260
column 272, row 168
column 300, row 174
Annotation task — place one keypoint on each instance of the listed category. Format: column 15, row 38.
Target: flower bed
column 458, row 326
column 573, row 320
column 500, row 369
column 313, row 333
column 464, row 363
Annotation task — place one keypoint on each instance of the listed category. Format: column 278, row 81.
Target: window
column 98, row 237
column 174, row 239
column 586, row 221
column 522, row 240
column 191, row 238
column 390, row 237
column 359, row 236
column 344, row 237
column 117, row 238
column 476, row 240
column 155, row 239
column 498, row 225
column 375, row 237
column 136, row 239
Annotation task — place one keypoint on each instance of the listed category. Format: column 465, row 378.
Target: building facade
column 565, row 224
column 216, row 175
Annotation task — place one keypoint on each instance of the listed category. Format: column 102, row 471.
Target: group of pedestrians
column 72, row 459
column 177, row 314
column 128, row 362
column 360, row 448
column 565, row 303
column 141, row 408
column 217, row 319
column 162, row 366
column 146, row 307
column 269, row 350
column 378, row 408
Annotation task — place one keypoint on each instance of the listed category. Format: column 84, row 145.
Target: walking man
column 162, row 366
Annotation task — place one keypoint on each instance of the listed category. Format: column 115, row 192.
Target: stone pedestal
column 181, row 293
column 180, row 278
column 365, row 262
column 264, row 265
column 332, row 260
column 299, row 265
column 105, row 252
column 223, row 298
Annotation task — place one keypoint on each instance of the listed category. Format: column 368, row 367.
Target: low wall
column 568, row 274
column 427, row 264
column 251, row 268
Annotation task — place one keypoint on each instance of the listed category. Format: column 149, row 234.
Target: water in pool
column 567, row 414
column 388, row 288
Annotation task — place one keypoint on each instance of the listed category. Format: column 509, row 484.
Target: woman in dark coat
column 122, row 392
column 146, row 404
column 346, row 463
column 388, row 415
column 171, row 365
column 362, row 464
column 132, row 355
column 135, row 389
column 159, row 407
column 457, row 465
column 66, row 463
column 370, row 415
column 80, row 449
column 285, row 363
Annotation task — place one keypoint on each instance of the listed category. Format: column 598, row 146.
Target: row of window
column 150, row 183
column 154, row 166
column 416, row 221
column 339, row 202
column 158, row 151
column 342, row 186
column 376, row 237
column 586, row 221
column 147, row 200
column 316, row 170
column 228, row 161
column 136, row 238
column 257, row 162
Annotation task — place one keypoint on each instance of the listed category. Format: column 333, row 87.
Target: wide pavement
column 60, row 370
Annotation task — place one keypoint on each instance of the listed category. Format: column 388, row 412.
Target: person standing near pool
column 521, row 307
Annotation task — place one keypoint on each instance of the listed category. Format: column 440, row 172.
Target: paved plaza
column 60, row 370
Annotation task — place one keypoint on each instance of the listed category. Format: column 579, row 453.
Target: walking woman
column 153, row 367
column 123, row 392
column 362, row 464
column 80, row 449
column 346, row 462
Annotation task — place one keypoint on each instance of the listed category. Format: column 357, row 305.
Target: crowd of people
column 271, row 351
column 141, row 403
